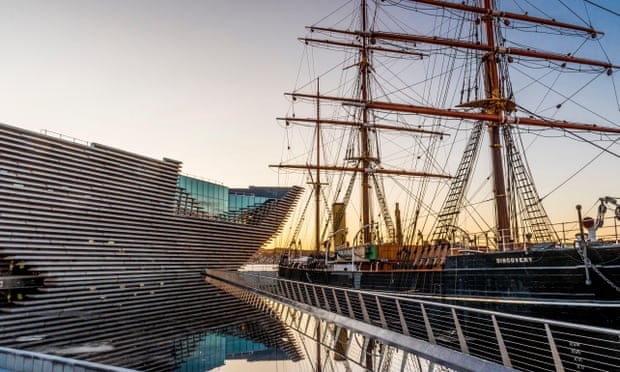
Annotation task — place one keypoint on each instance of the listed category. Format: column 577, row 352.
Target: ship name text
column 512, row 260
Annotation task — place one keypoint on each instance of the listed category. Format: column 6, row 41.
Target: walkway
column 464, row 339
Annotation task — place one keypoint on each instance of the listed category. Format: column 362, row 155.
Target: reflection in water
column 242, row 333
column 326, row 346
column 157, row 329
column 199, row 328
column 209, row 351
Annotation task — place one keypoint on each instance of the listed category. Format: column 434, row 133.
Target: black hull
column 550, row 283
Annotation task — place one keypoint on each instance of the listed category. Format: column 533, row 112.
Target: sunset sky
column 200, row 81
column 197, row 81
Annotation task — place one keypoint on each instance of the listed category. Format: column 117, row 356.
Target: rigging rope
column 570, row 9
column 602, row 7
column 603, row 150
column 538, row 81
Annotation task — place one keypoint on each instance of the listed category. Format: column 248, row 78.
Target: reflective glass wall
column 205, row 197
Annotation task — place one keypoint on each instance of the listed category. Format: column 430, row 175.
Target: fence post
column 500, row 341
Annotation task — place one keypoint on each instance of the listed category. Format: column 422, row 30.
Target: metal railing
column 514, row 341
column 27, row 361
column 329, row 346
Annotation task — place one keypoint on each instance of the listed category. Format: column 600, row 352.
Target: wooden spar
column 395, row 172
column 490, row 117
column 495, row 49
column 509, row 15
column 413, row 109
column 467, row 45
column 371, row 48
column 359, row 123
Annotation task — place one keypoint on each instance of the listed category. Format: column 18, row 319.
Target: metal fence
column 514, row 341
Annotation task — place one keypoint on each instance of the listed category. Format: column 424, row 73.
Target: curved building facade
column 103, row 246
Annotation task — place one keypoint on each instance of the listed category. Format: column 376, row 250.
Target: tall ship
column 102, row 251
column 389, row 132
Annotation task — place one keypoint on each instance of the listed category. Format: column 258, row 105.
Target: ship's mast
column 317, row 216
column 364, row 129
column 494, row 95
column 364, row 71
column 317, row 185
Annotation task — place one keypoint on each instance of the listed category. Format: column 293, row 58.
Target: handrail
column 514, row 341
column 29, row 361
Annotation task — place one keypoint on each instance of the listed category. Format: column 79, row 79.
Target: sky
column 200, row 81
column 197, row 81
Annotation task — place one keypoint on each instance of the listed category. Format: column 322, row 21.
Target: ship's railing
column 514, row 341
column 567, row 233
column 609, row 232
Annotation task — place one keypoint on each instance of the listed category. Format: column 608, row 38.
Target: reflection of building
column 97, row 245
column 206, row 352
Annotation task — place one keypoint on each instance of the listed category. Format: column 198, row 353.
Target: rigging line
column 567, row 98
column 538, row 9
column 587, row 14
column 407, row 86
column 332, row 13
column 603, row 50
column 574, row 174
column 602, row 7
column 613, row 82
column 584, row 42
column 574, row 13
column 604, row 149
column 444, row 83
column 422, row 205
column 570, row 97
column 403, row 26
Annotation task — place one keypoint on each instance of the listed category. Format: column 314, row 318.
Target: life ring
column 588, row 222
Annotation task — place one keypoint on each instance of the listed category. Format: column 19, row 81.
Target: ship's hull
column 114, row 258
column 546, row 283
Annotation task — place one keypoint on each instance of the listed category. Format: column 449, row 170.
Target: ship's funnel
column 399, row 229
column 340, row 224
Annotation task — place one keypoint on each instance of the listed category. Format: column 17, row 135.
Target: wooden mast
column 317, row 215
column 317, row 185
column 364, row 130
column 492, row 90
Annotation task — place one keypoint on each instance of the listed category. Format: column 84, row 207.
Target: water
column 203, row 328
column 220, row 351
column 261, row 341
column 296, row 346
